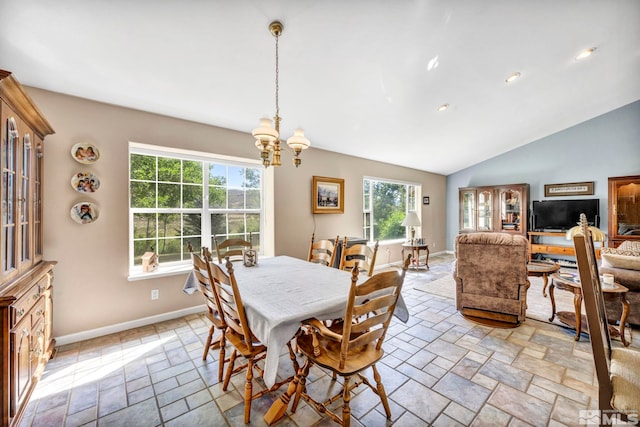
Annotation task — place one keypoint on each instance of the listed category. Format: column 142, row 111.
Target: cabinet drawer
column 561, row 250
column 37, row 312
column 25, row 303
column 552, row 249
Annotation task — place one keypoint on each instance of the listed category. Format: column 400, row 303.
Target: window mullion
column 205, row 238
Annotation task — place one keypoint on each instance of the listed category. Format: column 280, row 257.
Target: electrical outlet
column 433, row 245
column 155, row 293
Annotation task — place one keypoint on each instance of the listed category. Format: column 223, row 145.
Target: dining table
column 280, row 292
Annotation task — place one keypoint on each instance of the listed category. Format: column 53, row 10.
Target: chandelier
column 267, row 136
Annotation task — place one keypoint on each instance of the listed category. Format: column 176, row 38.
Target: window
column 385, row 206
column 179, row 198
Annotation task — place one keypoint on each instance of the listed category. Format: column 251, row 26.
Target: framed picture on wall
column 570, row 189
column 327, row 195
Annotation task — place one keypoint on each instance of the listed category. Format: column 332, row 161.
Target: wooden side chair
column 232, row 248
column 358, row 254
column 347, row 352
column 616, row 368
column 323, row 251
column 244, row 342
column 206, row 277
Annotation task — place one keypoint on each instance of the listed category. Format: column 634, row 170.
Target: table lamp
column 411, row 220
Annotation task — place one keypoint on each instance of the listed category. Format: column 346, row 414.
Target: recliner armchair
column 491, row 277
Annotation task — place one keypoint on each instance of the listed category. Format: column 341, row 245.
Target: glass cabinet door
column 468, row 210
column 25, row 201
column 624, row 209
column 9, row 232
column 510, row 208
column 37, row 203
column 628, row 211
column 485, row 210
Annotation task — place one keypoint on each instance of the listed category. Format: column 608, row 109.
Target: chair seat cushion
column 626, row 256
column 625, row 379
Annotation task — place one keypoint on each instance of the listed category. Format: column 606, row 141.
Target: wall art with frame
column 569, row 189
column 327, row 195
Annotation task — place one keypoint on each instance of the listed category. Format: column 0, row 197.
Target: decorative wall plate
column 84, row 212
column 85, row 153
column 85, row 182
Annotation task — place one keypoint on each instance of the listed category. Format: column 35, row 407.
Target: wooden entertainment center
column 538, row 247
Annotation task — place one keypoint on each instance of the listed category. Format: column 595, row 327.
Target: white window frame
column 416, row 208
column 267, row 228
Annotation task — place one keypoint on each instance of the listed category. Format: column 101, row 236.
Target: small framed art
column 570, row 189
column 327, row 195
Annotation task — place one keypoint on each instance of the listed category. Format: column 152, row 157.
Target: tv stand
column 538, row 247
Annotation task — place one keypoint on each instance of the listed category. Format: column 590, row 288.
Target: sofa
column 624, row 263
column 491, row 277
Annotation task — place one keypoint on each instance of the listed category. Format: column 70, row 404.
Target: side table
column 571, row 282
column 415, row 254
column 542, row 269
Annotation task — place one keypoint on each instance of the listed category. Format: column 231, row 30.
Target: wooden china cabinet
column 496, row 208
column 26, row 341
column 624, row 209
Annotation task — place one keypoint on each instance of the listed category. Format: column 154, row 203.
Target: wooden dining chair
column 616, row 368
column 206, row 276
column 232, row 248
column 245, row 343
column 348, row 351
column 360, row 254
column 323, row 251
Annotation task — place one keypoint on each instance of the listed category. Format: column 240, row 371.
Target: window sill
column 162, row 271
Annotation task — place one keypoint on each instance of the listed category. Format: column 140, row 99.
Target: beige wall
column 91, row 286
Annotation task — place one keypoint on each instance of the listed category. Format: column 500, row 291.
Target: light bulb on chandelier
column 267, row 135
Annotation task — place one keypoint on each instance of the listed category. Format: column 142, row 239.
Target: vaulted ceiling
column 362, row 77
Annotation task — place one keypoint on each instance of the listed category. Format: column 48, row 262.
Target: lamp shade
column 411, row 220
column 597, row 234
column 298, row 142
column 265, row 133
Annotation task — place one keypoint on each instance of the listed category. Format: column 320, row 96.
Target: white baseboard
column 119, row 327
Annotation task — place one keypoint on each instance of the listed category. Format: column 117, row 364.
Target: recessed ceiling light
column 585, row 53
column 443, row 107
column 513, row 77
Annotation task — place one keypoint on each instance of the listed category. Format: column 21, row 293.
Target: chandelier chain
column 277, row 76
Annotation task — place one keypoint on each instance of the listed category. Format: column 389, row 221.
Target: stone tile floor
column 439, row 369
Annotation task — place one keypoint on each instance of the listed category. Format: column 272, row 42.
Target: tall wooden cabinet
column 497, row 208
column 624, row 209
column 26, row 341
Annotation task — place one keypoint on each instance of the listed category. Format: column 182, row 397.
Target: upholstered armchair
column 491, row 277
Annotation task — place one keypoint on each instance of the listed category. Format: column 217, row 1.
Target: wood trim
column 17, row 99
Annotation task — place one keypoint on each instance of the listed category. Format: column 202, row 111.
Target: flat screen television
column 561, row 215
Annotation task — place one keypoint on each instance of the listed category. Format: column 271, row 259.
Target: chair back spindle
column 232, row 248
column 323, row 251
column 595, row 310
column 361, row 254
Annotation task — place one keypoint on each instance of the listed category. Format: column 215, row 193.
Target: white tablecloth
column 282, row 291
